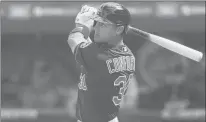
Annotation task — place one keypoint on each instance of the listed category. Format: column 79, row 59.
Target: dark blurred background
column 39, row 75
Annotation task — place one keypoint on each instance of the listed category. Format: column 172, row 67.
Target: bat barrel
column 170, row 45
column 177, row 48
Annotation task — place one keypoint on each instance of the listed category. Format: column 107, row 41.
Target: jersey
column 105, row 75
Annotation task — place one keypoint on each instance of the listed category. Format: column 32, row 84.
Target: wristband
column 83, row 29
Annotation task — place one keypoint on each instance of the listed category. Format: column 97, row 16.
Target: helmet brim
column 101, row 19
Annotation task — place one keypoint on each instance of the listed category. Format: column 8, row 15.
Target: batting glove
column 85, row 15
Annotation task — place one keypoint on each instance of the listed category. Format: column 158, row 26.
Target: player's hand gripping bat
column 170, row 45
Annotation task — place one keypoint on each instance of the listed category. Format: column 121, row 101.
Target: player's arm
column 79, row 41
column 84, row 24
column 77, row 37
column 82, row 47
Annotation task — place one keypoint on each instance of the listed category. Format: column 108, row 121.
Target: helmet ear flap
column 120, row 29
column 125, row 30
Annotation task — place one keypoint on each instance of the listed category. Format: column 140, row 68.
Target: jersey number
column 124, row 80
column 82, row 84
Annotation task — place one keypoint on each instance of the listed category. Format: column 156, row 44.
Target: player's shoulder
column 85, row 44
column 122, row 50
column 95, row 51
column 111, row 53
column 104, row 52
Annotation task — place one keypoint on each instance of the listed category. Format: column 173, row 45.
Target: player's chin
column 97, row 39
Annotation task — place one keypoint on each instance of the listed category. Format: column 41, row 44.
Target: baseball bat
column 170, row 45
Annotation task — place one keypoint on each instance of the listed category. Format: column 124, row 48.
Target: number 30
column 122, row 90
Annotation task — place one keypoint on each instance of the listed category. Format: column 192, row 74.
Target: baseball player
column 107, row 64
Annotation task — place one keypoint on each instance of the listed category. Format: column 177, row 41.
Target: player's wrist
column 81, row 29
column 86, row 26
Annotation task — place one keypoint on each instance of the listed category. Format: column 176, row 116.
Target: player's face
column 104, row 32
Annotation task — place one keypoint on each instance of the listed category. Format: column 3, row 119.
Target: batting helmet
column 113, row 13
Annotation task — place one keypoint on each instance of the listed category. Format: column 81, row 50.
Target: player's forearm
column 76, row 37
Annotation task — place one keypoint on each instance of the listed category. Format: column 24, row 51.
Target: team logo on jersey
column 120, row 64
column 85, row 44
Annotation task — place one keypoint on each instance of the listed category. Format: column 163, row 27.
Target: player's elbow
column 75, row 39
column 72, row 44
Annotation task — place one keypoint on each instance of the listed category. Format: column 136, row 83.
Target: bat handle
column 141, row 33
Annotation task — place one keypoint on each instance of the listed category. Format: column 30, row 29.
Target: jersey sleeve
column 86, row 53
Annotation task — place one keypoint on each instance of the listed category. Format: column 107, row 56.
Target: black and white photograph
column 102, row 61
